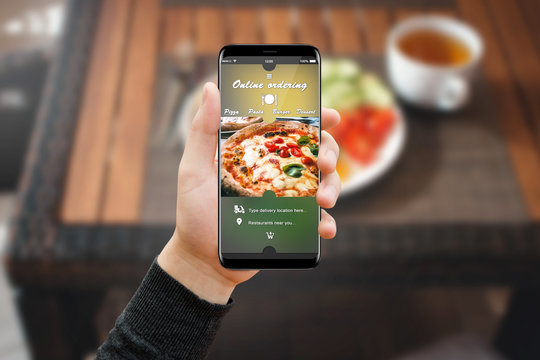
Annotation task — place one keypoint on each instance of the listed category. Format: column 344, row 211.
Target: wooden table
column 79, row 228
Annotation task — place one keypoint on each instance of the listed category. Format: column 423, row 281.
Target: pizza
column 233, row 123
column 280, row 156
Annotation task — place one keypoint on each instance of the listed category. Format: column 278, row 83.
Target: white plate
column 362, row 176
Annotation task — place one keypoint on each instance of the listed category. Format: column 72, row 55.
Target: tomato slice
column 359, row 148
column 296, row 152
column 292, row 145
column 379, row 124
column 340, row 131
column 362, row 131
column 307, row 160
column 269, row 144
column 278, row 140
column 284, row 152
column 273, row 148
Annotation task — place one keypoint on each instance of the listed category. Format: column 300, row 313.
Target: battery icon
column 312, row 61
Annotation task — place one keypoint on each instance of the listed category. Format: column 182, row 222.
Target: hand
column 191, row 255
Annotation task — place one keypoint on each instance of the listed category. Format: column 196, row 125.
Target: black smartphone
column 269, row 142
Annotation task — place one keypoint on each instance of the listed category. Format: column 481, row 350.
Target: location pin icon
column 239, row 221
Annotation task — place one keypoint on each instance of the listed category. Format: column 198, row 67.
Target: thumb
column 201, row 144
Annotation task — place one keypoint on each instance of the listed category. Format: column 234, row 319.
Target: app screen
column 269, row 145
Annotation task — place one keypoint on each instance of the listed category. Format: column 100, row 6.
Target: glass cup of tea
column 431, row 61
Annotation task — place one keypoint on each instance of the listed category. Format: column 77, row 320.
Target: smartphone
column 269, row 141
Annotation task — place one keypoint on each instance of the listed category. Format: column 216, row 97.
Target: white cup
column 444, row 88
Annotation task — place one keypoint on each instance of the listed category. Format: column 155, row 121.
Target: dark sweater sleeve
column 163, row 320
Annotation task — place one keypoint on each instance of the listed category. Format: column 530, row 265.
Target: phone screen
column 269, row 145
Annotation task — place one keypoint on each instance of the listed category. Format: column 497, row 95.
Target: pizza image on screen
column 280, row 156
column 233, row 123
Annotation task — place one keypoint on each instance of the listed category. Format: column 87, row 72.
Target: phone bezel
column 277, row 260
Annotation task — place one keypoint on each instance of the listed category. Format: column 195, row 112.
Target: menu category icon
column 269, row 99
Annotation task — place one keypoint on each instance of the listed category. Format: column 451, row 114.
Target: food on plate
column 345, row 86
column 367, row 112
column 363, row 131
column 233, row 123
column 280, row 156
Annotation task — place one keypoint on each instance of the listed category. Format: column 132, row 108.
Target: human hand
column 191, row 255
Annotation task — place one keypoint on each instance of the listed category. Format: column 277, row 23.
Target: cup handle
column 453, row 93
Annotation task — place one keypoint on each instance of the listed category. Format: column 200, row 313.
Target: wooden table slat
column 122, row 198
column 244, row 25
column 443, row 12
column 521, row 52
column 530, row 10
column 84, row 184
column 405, row 13
column 277, row 25
column 523, row 151
column 177, row 27
column 312, row 29
column 210, row 30
column 345, row 36
column 376, row 23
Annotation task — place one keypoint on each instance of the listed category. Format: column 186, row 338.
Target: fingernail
column 205, row 93
column 338, row 115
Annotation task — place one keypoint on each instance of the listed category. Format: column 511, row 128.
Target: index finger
column 329, row 118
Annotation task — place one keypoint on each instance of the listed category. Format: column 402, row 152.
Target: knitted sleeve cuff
column 169, row 317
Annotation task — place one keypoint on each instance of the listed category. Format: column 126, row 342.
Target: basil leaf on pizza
column 293, row 170
column 304, row 140
column 314, row 148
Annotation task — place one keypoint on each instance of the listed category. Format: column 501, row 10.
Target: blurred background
column 438, row 247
